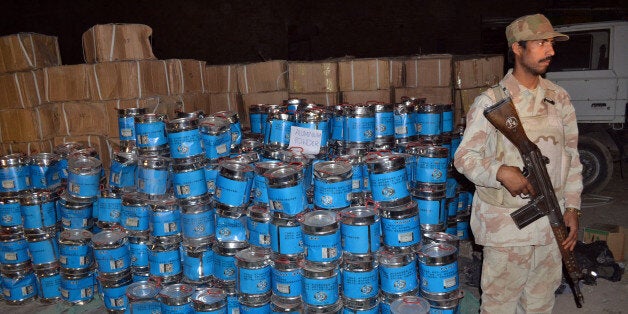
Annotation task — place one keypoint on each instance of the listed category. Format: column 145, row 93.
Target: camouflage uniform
column 521, row 268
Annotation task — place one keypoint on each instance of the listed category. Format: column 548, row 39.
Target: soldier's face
column 535, row 58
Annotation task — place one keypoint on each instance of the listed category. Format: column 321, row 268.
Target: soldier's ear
column 516, row 48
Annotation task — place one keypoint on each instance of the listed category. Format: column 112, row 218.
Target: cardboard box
column 28, row 51
column 221, row 79
column 186, row 76
column 313, row 77
column 223, row 102
column 428, row 71
column 434, row 95
column 478, row 70
column 117, row 42
column 21, row 90
column 326, row 99
column 65, row 83
column 356, row 97
column 25, row 125
column 464, row 98
column 81, row 118
column 28, row 148
column 363, row 75
column 128, row 79
column 263, row 77
column 397, row 72
column 614, row 235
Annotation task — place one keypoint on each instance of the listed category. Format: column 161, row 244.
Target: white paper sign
column 308, row 139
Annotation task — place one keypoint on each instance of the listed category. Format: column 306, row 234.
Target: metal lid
column 65, row 149
column 438, row 254
column 319, row 270
column 163, row 203
column 107, row 239
column 319, row 221
column 259, row 213
column 402, row 211
column 196, row 204
column 393, row 258
column 129, row 112
column 235, row 170
column 35, row 196
column 214, row 125
column 379, row 162
column 313, row 115
column 182, row 124
column 383, row 107
column 125, row 158
column 133, row 198
column 284, row 262
column 265, row 166
column 359, row 215
column 13, row 160
column 410, row 305
column 360, row 110
column 333, row 171
column 44, row 159
column 84, row 165
column 198, row 114
column 257, row 108
column 284, row 176
column 252, row 257
column 176, row 294
column 232, row 116
column 150, row 118
column 71, row 202
column 209, row 299
column 75, row 236
column 141, row 290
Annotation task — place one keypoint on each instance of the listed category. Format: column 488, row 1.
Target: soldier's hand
column 571, row 222
column 514, row 181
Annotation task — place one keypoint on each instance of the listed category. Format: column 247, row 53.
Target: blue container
column 114, row 292
column 359, row 126
column 164, row 217
column 44, row 251
column 211, row 172
column 38, row 210
column 230, row 223
column 405, row 127
column 260, row 188
column 447, row 115
column 253, row 271
column 150, row 132
column 256, row 112
column 438, row 270
column 338, row 124
column 176, row 298
column 286, row 190
column 258, row 226
column 123, row 170
column 197, row 219
column 48, row 285
column 384, row 121
column 278, row 128
column 315, row 119
column 138, row 249
column 216, row 136
column 134, row 215
column 153, row 175
column 126, row 123
column 111, row 251
column 397, row 272
column 360, row 277
column 332, row 184
column 321, row 236
column 77, row 289
column 14, row 173
column 287, row 275
column 164, row 260
column 286, row 236
column 400, row 225
column 184, row 138
column 84, row 177
column 387, row 177
column 360, row 230
column 188, row 178
column 431, row 163
column 224, row 259
column 13, row 249
column 429, row 119
column 43, row 170
column 76, row 213
column 320, row 284
column 75, row 251
column 198, row 263
column 210, row 300
column 108, row 208
column 234, row 183
column 19, row 290
column 142, row 296
column 234, row 126
column 10, row 214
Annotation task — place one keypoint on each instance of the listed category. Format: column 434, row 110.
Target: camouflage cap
column 532, row 27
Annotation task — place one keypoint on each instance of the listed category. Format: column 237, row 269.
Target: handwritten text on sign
column 308, row 139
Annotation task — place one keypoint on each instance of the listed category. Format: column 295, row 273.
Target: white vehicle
column 593, row 67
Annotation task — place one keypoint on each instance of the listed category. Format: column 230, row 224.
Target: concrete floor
column 609, row 206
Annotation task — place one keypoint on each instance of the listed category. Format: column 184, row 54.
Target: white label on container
column 264, row 239
column 8, row 184
column 165, row 268
column 63, row 260
column 10, row 256
column 329, row 252
column 405, row 237
column 401, row 129
column 449, row 282
column 132, row 222
column 308, row 139
column 355, row 184
column 283, row 288
column 221, row 149
column 126, row 132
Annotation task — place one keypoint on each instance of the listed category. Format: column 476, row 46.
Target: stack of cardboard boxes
column 46, row 103
column 429, row 77
column 473, row 74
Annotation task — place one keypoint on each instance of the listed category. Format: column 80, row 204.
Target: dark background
column 223, row 32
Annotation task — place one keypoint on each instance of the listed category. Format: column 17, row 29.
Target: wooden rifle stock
column 504, row 117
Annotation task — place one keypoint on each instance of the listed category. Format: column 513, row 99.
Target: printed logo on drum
column 228, row 272
column 399, row 284
column 381, row 128
column 366, row 289
column 199, row 228
column 225, row 232
column 368, row 133
column 320, row 296
column 262, row 285
column 7, row 218
column 183, row 149
column 437, row 174
column 388, row 191
column 327, row 199
column 114, row 214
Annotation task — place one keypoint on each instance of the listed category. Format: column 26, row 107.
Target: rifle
column 504, row 117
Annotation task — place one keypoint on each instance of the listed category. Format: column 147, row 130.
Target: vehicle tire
column 597, row 164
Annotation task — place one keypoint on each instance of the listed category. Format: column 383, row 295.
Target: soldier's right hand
column 514, row 181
